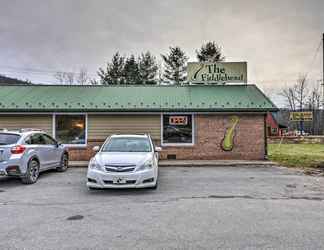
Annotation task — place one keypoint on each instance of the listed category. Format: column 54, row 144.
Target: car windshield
column 127, row 144
column 8, row 139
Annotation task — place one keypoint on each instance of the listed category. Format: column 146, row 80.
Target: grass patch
column 297, row 155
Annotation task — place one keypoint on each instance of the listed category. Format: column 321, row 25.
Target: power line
column 34, row 71
column 314, row 58
column 50, row 73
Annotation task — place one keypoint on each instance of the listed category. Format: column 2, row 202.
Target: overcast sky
column 278, row 39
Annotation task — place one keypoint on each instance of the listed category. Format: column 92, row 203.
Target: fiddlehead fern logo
column 194, row 78
column 228, row 141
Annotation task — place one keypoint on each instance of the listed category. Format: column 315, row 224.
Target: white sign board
column 217, row 73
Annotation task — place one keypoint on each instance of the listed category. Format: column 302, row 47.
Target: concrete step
column 196, row 163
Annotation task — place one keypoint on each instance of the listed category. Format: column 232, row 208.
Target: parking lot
column 193, row 208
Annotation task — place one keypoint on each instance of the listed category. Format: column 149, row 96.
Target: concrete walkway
column 196, row 163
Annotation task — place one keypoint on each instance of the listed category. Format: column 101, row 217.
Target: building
column 273, row 127
column 189, row 122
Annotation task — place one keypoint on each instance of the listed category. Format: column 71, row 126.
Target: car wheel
column 32, row 172
column 64, row 163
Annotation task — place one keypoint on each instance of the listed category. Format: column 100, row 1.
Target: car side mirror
column 96, row 148
column 158, row 149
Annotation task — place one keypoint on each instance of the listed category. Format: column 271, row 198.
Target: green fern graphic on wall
column 228, row 141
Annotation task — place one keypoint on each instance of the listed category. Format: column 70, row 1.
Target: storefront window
column 70, row 129
column 177, row 129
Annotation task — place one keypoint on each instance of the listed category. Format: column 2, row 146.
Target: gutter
column 218, row 110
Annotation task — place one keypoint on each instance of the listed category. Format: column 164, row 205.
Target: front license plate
column 119, row 180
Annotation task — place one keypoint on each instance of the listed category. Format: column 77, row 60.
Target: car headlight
column 147, row 165
column 93, row 164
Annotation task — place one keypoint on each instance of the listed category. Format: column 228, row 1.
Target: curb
column 202, row 163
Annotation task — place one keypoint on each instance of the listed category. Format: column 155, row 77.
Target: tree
column 314, row 99
column 131, row 71
column 296, row 95
column 175, row 65
column 69, row 76
column 94, row 82
column 301, row 92
column 160, row 73
column 82, row 77
column 72, row 78
column 148, row 68
column 314, row 104
column 60, row 77
column 65, row 77
column 114, row 72
column 210, row 52
column 289, row 95
column 4, row 80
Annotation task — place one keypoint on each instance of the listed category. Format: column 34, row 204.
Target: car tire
column 32, row 172
column 64, row 164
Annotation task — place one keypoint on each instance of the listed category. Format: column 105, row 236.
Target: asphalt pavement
column 193, row 208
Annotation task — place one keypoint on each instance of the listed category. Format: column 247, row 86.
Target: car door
column 35, row 143
column 155, row 154
column 53, row 153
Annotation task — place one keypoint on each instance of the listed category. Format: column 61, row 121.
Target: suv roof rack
column 30, row 129
column 131, row 134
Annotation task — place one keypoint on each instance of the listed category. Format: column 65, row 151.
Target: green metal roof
column 59, row 98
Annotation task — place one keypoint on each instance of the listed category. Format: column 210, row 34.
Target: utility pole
column 323, row 71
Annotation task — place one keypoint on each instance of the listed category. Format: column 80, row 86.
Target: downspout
column 265, row 137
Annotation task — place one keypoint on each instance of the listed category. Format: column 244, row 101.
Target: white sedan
column 124, row 161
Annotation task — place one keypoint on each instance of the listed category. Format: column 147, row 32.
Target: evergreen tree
column 175, row 65
column 210, row 52
column 131, row 71
column 147, row 68
column 114, row 72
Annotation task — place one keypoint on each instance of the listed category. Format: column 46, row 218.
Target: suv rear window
column 7, row 139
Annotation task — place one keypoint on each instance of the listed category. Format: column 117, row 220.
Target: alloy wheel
column 34, row 170
column 65, row 162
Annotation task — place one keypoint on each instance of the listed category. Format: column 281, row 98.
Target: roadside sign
column 301, row 116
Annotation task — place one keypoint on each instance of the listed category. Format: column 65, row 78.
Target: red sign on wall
column 178, row 120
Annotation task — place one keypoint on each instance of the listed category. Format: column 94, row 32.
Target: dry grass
column 297, row 155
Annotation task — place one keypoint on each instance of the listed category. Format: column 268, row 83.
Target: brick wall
column 249, row 141
column 84, row 153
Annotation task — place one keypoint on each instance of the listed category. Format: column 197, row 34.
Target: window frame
column 179, row 144
column 71, row 114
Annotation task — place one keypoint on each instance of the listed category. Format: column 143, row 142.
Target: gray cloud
column 277, row 38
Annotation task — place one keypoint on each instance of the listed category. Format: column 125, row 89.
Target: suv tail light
column 18, row 149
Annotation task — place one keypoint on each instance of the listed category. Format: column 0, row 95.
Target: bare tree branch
column 297, row 95
column 71, row 78
column 82, row 77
